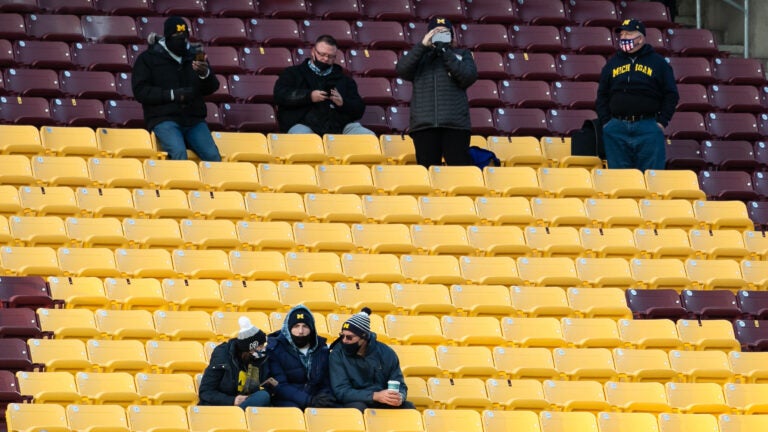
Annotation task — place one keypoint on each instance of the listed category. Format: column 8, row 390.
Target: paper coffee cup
column 393, row 385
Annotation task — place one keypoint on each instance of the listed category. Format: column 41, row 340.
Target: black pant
column 362, row 405
column 434, row 144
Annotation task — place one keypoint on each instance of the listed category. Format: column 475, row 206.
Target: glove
column 323, row 400
column 183, row 94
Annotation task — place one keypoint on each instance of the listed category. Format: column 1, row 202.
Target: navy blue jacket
column 296, row 385
column 641, row 83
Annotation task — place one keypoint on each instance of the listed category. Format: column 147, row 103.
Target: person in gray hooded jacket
column 440, row 124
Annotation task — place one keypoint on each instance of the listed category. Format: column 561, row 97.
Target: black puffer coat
column 440, row 80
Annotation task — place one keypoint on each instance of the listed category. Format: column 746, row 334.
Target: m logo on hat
column 441, row 20
column 626, row 22
column 181, row 28
column 300, row 316
column 345, row 326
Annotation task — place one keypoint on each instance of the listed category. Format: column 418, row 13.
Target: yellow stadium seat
column 103, row 388
column 269, row 206
column 265, row 235
column 32, row 260
column 481, row 300
column 353, row 179
column 401, row 179
column 416, row 329
column 228, row 176
column 125, row 142
column 243, row 146
column 747, row 399
column 318, row 236
column 397, row 148
column 601, row 272
column 334, row 207
column 663, row 243
column 275, row 419
column 97, row 417
column 192, row 294
column 354, row 296
column 465, row 361
column 101, row 202
column 566, row 182
column 166, row 389
column 422, row 299
column 314, row 266
column 525, row 363
column 453, row 209
column 316, row 295
column 472, row 330
column 372, row 267
column 391, row 209
column 60, row 170
column 324, row 419
column 67, row 323
column 533, row 332
column 249, row 295
column 349, row 149
column 148, row 418
column 505, row 210
column 642, row 364
column 126, row 324
column 695, row 398
column 627, row 422
column 613, row 212
column 204, row 234
column 718, row 244
column 755, row 273
column 512, row 181
column 418, row 393
column 523, row 421
column 672, row 184
column 540, row 301
column 585, row 363
column 637, row 396
column 493, row 240
column 166, row 203
column 701, row 366
column 145, row 262
column 382, row 238
column 23, row 139
column 457, row 180
column 649, row 333
column 100, row 231
column 293, row 148
column 673, row 213
column 553, row 241
column 489, row 270
column 590, row 332
column 226, row 327
column 68, row 140
column 417, row 360
column 78, row 292
column 216, row 418
column 288, row 178
column 217, row 205
column 575, row 395
column 16, row 170
column 383, row 420
column 211, row 263
column 117, row 172
column 558, row 153
column 516, row 394
column 559, row 212
column 620, row 183
column 138, row 293
column 452, row 420
column 49, row 387
column 553, row 421
column 707, row 335
column 431, row 269
column 517, row 151
column 599, row 302
column 459, row 393
column 736, row 423
column 608, row 242
column 176, row 356
column 440, row 239
column 749, row 366
column 5, row 231
column 117, row 355
column 722, row 215
column 88, row 261
column 541, row 271
column 36, row 417
column 258, row 265
column 669, row 422
column 59, row 354
column 756, row 243
column 659, row 273
column 53, row 200
column 38, row 231
column 184, row 325
column 172, row 174
column 715, row 274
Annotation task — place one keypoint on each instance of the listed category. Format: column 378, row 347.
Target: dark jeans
column 434, row 144
column 174, row 139
column 362, row 405
column 638, row 144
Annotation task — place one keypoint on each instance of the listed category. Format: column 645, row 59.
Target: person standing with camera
column 441, row 73
column 170, row 80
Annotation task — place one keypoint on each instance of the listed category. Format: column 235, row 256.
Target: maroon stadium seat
column 735, row 70
column 9, row 391
column 124, row 113
column 19, row 6
column 402, row 90
column 564, row 122
column 450, row 9
column 735, row 98
column 491, row 11
column 283, row 8
column 692, row 42
column 685, row 154
column 43, row 54
column 266, row 60
column 133, row 51
column 588, row 40
column 213, row 116
column 25, row 110
column 380, row 34
column 220, row 31
column 693, row 97
column 79, row 112
column 733, row 126
column 14, row 355
column 484, row 37
column 372, row 62
column 533, row 66
column 542, row 12
column 727, row 185
column 729, row 155
column 224, row 59
column 655, row 304
column 490, row 65
column 248, row 117
column 32, row 82
column 282, row 32
column 2, row 84
column 19, row 322
column 12, row 26
column 761, row 152
column 526, row 94
column 185, row 8
column 252, row 88
column 398, row 10
column 398, row 118
column 535, row 38
column 751, row 334
column 375, row 119
column 25, row 291
column 123, row 84
column 375, row 90
column 760, row 184
column 758, row 212
column 521, row 121
column 656, row 39
column 55, row 27
column 754, row 304
column 340, row 30
column 692, row 70
column 574, row 94
column 580, row 67
column 593, row 13
column 714, row 304
column 481, row 120
column 650, row 13
column 110, row 29
column 762, row 124
column 233, row 8
column 484, row 93
column 101, row 56
column 335, row 9
column 222, row 93
column 687, row 125
column 88, row 84
column 124, row 7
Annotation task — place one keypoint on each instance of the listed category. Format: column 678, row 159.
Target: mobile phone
column 200, row 56
column 328, row 87
column 442, row 36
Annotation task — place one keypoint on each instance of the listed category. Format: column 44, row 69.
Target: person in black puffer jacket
column 298, row 360
column 170, row 83
column 440, row 72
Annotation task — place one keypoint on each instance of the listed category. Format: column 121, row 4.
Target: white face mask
column 258, row 355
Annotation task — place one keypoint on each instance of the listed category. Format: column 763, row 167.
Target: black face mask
column 300, row 341
column 177, row 45
column 351, row 348
column 320, row 65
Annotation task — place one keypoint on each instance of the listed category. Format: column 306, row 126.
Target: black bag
column 588, row 141
column 482, row 158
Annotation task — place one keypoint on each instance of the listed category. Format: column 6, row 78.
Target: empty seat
column 109, row 29
column 707, row 334
column 646, row 334
column 373, row 62
column 738, row 71
column 19, row 322
column 655, row 303
column 553, row 421
column 521, row 121
column 28, row 110
column 627, row 421
column 575, row 395
column 457, row 393
column 574, row 95
column 588, row 40
column 590, row 332
column 535, row 38
column 696, row 397
column 32, row 82
column 392, row 209
column 579, row 67
column 733, row 126
column 713, row 274
column 667, row 213
column 701, row 366
column 533, row 66
column 25, row 416
column 15, row 355
column 692, row 42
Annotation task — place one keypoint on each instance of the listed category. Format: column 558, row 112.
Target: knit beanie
column 249, row 337
column 174, row 25
column 438, row 22
column 299, row 316
column 359, row 323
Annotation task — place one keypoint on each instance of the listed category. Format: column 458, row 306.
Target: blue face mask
column 628, row 45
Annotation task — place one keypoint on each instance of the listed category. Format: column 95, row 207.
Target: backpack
column 482, row 158
column 588, row 141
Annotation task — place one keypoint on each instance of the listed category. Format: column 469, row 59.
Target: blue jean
column 259, row 399
column 353, row 128
column 638, row 144
column 174, row 140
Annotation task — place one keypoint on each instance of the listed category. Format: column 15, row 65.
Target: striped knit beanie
column 359, row 323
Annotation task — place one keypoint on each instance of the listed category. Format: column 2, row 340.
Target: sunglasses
column 348, row 337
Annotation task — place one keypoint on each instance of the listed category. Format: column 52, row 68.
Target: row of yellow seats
column 139, row 418
column 398, row 238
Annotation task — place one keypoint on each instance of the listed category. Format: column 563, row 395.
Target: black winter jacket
column 440, row 80
column 641, row 83
column 294, row 104
column 355, row 378
column 156, row 73
column 220, row 379
column 297, row 384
